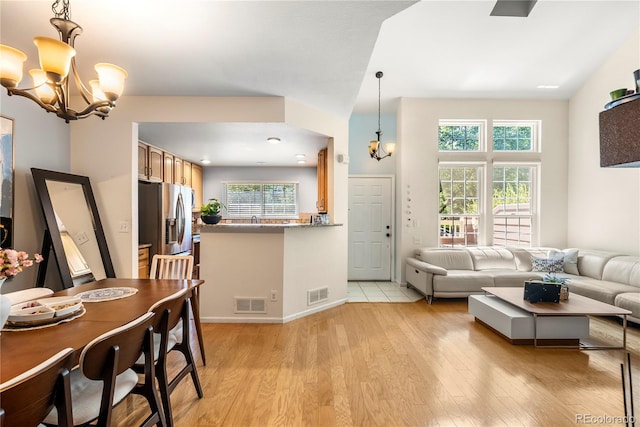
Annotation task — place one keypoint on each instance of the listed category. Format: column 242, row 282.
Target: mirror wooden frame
column 52, row 239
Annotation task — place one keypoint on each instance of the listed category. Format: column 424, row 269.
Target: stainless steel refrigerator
column 164, row 217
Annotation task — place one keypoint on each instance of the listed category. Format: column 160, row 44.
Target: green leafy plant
column 212, row 208
column 552, row 278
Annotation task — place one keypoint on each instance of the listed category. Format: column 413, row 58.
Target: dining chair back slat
column 171, row 267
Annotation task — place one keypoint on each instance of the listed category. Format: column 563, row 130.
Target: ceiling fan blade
column 518, row 8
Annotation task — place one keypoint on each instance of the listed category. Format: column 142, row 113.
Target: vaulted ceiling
column 325, row 53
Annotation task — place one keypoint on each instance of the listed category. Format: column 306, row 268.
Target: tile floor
column 381, row 292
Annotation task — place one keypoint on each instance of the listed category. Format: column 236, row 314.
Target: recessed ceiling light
column 273, row 140
column 300, row 156
column 301, row 162
column 205, row 161
column 548, row 86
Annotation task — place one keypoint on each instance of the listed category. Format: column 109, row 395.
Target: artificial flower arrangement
column 13, row 262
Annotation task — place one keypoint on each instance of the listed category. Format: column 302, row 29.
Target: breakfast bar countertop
column 257, row 228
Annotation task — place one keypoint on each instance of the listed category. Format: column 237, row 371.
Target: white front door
column 370, row 228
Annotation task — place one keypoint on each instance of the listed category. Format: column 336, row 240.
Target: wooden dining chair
column 169, row 313
column 106, row 377
column 180, row 267
column 26, row 399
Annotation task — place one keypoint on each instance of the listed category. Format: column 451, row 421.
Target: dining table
column 23, row 349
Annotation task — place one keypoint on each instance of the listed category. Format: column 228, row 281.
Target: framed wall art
column 6, row 190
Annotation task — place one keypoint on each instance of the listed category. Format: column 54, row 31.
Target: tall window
column 465, row 135
column 266, row 200
column 459, row 205
column 499, row 210
column 512, row 205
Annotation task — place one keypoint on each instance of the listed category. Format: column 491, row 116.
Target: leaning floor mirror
column 73, row 232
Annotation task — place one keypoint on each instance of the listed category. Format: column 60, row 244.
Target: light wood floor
column 407, row 364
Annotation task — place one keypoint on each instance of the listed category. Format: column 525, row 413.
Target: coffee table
column 575, row 306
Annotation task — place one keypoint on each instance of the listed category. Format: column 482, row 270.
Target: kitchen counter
column 270, row 273
column 257, row 228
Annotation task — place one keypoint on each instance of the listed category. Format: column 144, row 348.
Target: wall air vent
column 314, row 296
column 250, row 305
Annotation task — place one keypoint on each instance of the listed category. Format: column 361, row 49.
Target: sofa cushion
column 504, row 278
column 494, row 258
column 461, row 281
column 523, row 256
column 450, row 259
column 619, row 269
column 591, row 263
column 630, row 301
column 570, row 257
column 547, row 265
column 600, row 290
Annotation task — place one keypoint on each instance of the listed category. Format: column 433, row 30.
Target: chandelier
column 57, row 60
column 376, row 150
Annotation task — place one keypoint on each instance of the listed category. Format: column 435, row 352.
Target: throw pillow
column 570, row 258
column 547, row 265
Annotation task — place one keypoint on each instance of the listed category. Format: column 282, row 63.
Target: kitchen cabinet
column 196, row 184
column 178, row 173
column 195, row 251
column 150, row 163
column 186, row 173
column 143, row 261
column 322, row 204
column 168, row 168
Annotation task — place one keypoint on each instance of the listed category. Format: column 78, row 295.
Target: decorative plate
column 107, row 294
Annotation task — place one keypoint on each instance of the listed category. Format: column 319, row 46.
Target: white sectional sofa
column 459, row 272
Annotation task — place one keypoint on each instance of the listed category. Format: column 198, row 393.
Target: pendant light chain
column 64, row 12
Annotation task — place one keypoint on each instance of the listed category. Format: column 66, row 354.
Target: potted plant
column 210, row 213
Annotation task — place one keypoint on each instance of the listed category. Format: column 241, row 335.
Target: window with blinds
column 265, row 200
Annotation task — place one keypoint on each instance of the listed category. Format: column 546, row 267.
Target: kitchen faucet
column 255, row 220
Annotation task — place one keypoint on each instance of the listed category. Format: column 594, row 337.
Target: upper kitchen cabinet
column 150, row 161
column 321, row 204
column 186, row 173
column 196, row 184
column 178, row 173
column 168, row 168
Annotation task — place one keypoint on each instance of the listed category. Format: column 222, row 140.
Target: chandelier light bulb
column 111, row 79
column 11, row 63
column 55, row 57
column 43, row 91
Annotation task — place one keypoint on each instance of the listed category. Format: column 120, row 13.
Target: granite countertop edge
column 256, row 228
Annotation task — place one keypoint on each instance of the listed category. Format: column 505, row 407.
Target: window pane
column 262, row 200
column 459, row 137
column 459, row 206
column 512, row 137
column 512, row 205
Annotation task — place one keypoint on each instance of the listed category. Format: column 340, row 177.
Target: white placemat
column 106, row 294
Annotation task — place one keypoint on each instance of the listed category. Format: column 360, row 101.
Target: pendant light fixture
column 50, row 88
column 376, row 150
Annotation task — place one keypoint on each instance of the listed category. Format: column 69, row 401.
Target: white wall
column 604, row 203
column 107, row 152
column 306, row 177
column 418, row 164
column 362, row 129
column 41, row 140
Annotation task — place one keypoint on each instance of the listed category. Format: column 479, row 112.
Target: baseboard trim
column 216, row 319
